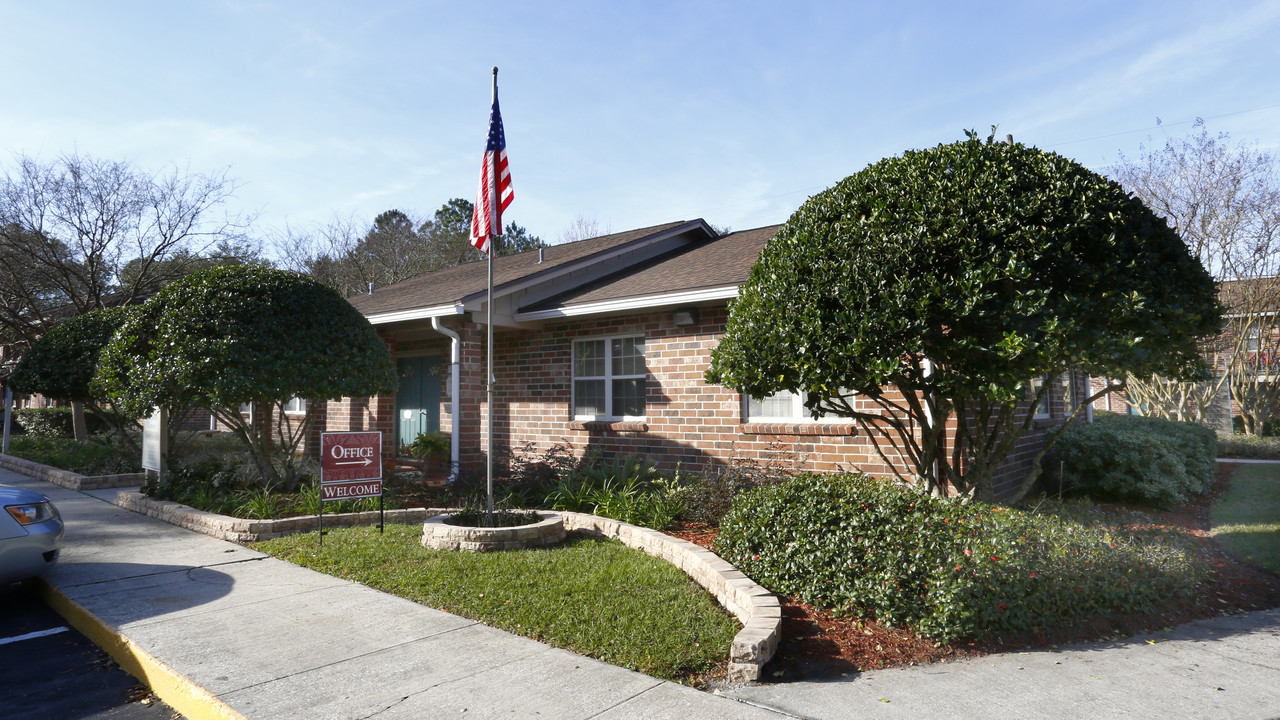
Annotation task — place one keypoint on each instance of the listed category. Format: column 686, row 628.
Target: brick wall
column 687, row 421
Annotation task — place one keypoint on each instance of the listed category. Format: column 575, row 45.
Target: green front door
column 418, row 401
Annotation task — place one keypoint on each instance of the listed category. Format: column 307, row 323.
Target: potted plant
column 432, row 448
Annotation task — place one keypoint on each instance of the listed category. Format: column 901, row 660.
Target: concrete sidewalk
column 1228, row 667
column 220, row 631
column 223, row 632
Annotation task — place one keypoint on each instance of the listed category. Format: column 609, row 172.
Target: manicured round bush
column 867, row 547
column 62, row 364
column 959, row 272
column 1135, row 459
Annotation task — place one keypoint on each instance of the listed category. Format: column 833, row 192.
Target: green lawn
column 1247, row 519
column 597, row 598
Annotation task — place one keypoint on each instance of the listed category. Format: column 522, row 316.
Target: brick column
column 471, row 425
column 382, row 412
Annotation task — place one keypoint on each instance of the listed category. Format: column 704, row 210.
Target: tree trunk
column 78, row 424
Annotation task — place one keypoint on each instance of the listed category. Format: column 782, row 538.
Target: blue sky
column 634, row 113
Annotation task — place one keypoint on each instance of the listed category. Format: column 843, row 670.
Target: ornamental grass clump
column 866, row 547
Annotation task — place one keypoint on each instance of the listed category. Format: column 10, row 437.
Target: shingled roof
column 462, row 282
column 721, row 263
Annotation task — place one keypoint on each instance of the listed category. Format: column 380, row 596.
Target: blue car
column 30, row 534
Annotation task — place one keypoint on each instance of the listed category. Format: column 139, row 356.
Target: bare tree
column 584, row 227
column 1223, row 198
column 311, row 251
column 349, row 258
column 396, row 247
column 70, row 227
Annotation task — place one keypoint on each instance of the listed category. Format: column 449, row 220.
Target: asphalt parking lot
column 48, row 671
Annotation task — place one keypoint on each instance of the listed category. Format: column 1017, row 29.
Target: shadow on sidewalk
column 139, row 591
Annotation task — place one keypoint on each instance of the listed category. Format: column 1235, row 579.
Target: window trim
column 1048, row 398
column 607, row 378
column 284, row 406
column 800, row 413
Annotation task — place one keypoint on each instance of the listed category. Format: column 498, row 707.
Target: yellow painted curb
column 193, row 701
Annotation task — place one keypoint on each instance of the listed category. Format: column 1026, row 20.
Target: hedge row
column 1135, row 459
column 54, row 422
column 866, row 547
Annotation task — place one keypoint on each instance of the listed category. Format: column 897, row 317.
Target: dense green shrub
column 861, row 546
column 1135, row 459
column 102, row 455
column 227, row 483
column 998, row 262
column 55, row 422
column 61, row 364
column 225, row 336
column 1248, row 446
column 51, row 422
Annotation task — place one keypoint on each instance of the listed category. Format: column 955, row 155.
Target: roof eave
column 514, row 286
column 416, row 314
column 643, row 302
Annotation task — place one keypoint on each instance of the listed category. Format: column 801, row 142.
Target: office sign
column 350, row 465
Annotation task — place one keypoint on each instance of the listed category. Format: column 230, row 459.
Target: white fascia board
column 415, row 314
column 633, row 303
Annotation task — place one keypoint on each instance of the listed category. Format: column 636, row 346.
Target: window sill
column 832, row 429
column 610, row 425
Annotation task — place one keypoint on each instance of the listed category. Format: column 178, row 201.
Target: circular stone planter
column 439, row 534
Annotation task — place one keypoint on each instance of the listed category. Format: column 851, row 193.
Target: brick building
column 602, row 343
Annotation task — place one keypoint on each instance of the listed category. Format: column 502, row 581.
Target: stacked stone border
column 437, row 533
column 68, row 479
column 242, row 530
column 755, row 607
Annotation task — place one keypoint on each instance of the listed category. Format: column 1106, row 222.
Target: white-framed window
column 296, row 406
column 609, row 378
column 1043, row 406
column 1251, row 338
column 783, row 405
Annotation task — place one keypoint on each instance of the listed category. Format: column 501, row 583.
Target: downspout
column 1088, row 411
column 927, row 368
column 455, row 387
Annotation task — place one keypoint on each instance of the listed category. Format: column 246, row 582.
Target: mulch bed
column 815, row 644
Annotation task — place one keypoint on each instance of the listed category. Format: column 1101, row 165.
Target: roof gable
column 457, row 285
column 706, row 271
column 670, row 264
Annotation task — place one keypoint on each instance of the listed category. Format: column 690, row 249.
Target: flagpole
column 489, row 379
column 489, row 394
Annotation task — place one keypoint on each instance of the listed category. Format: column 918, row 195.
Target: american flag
column 495, row 182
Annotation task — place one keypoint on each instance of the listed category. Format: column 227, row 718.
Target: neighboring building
column 603, row 343
column 1247, row 348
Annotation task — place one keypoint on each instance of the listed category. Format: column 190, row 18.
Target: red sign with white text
column 348, row 456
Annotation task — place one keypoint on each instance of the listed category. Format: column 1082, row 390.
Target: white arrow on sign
column 365, row 461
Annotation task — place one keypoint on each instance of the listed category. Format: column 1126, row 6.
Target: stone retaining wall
column 756, row 608
column 437, row 533
column 244, row 530
column 68, row 479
